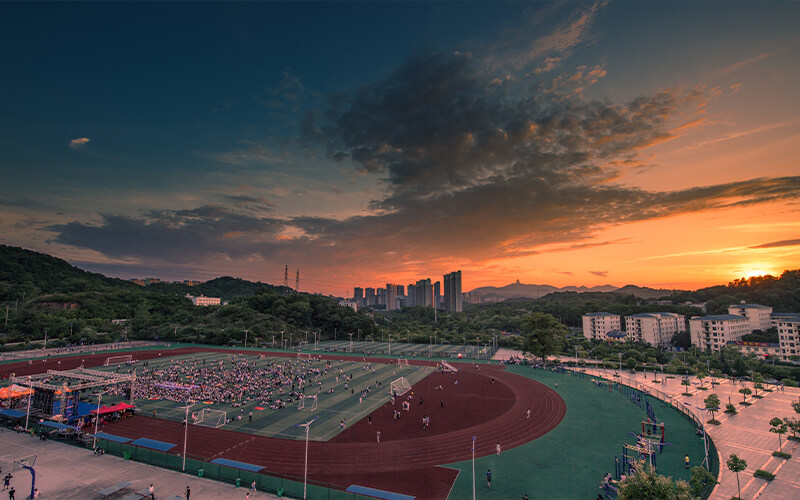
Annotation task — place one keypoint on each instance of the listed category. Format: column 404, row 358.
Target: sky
column 364, row 143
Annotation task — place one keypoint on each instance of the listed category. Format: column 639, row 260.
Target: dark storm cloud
column 182, row 236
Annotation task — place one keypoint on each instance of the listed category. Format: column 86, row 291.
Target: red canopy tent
column 111, row 409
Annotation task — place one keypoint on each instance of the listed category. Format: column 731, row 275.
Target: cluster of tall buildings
column 423, row 293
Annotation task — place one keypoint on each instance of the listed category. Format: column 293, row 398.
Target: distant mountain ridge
column 521, row 290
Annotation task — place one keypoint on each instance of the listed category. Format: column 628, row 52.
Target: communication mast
column 297, row 282
column 286, row 276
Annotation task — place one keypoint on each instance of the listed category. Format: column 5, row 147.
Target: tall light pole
column 96, row 420
column 245, row 337
column 390, row 344
column 30, row 395
column 473, row 467
column 273, row 341
column 282, row 342
column 620, row 363
column 351, row 341
column 185, row 431
column 430, row 346
column 576, row 358
column 305, row 467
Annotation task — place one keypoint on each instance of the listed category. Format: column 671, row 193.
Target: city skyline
column 566, row 143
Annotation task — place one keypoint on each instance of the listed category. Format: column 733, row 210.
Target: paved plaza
column 66, row 472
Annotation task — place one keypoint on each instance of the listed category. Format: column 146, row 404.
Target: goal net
column 402, row 362
column 211, row 418
column 310, row 406
column 116, row 360
column 399, row 387
column 447, row 367
column 304, row 355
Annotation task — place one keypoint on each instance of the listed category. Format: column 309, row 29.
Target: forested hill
column 226, row 288
column 24, row 274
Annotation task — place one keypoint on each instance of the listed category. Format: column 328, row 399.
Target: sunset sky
column 569, row 143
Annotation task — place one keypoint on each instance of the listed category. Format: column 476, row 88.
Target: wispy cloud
column 745, row 63
column 602, row 274
column 782, row 243
column 79, row 143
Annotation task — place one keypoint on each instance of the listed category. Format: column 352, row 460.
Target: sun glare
column 756, row 272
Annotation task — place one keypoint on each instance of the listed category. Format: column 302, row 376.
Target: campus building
column 757, row 315
column 762, row 349
column 349, row 303
column 711, row 333
column 204, row 301
column 788, row 326
column 598, row 325
column 656, row 329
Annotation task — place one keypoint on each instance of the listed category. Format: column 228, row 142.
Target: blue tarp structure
column 374, row 492
column 237, row 465
column 111, row 437
column 57, row 425
column 84, row 409
column 153, row 444
column 12, row 413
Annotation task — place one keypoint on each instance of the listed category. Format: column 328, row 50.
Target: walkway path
column 747, row 434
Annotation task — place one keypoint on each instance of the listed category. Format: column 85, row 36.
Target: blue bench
column 376, row 493
column 113, row 489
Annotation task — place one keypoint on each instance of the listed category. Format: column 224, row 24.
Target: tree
column 646, row 483
column 701, row 373
column 699, row 478
column 758, row 382
column 712, row 404
column 745, row 392
column 544, row 335
column 793, row 425
column 737, row 465
column 685, row 382
column 778, row 426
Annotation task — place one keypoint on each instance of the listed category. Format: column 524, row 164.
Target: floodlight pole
column 245, row 337
column 307, row 425
column 473, row 467
column 186, row 433
column 97, row 419
column 390, row 344
column 28, row 414
column 351, row 341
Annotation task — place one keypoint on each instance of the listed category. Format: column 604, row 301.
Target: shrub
column 764, row 474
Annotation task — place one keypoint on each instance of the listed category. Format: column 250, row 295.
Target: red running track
column 489, row 403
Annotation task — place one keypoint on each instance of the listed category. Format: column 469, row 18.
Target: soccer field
column 332, row 408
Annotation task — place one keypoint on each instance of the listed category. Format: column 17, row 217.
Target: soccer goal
column 304, row 355
column 117, row 360
column 211, row 418
column 399, row 387
column 402, row 362
column 312, row 406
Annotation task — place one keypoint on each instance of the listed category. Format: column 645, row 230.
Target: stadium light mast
column 185, row 431
column 390, row 344
column 96, row 419
column 351, row 341
column 245, row 337
column 307, row 425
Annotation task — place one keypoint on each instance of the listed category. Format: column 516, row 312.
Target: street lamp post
column 283, row 344
column 620, row 363
column 28, row 414
column 305, row 467
column 351, row 341
column 96, row 420
column 390, row 344
column 430, row 346
column 273, row 341
column 473, row 467
column 576, row 358
column 186, row 432
column 245, row 337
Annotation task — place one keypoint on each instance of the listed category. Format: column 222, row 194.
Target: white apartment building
column 349, row 303
column 598, row 325
column 788, row 326
column 756, row 314
column 713, row 332
column 656, row 329
column 204, row 301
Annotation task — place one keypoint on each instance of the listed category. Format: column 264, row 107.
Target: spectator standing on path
column 151, row 491
column 11, row 493
column 253, row 486
column 7, row 481
column 489, row 478
column 188, row 492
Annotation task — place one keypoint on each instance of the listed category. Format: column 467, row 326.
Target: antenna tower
column 286, row 276
column 297, row 282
